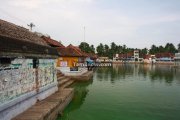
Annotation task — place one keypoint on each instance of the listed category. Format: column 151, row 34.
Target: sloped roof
column 11, row 47
column 67, row 52
column 52, row 42
column 70, row 51
column 13, row 31
column 124, row 55
column 166, row 54
column 78, row 50
column 17, row 41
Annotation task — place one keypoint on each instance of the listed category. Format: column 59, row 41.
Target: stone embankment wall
column 22, row 85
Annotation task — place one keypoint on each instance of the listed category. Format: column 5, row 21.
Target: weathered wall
column 19, row 79
column 16, row 79
column 46, row 72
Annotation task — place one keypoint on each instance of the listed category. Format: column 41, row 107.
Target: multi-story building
column 177, row 59
column 136, row 55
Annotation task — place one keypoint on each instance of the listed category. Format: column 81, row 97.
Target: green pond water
column 127, row 92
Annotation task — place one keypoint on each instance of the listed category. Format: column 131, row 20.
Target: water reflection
column 161, row 73
column 81, row 91
column 127, row 91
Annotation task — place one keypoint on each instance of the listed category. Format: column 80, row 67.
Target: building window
column 35, row 63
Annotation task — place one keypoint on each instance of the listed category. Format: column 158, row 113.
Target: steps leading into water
column 49, row 108
column 63, row 81
column 67, row 84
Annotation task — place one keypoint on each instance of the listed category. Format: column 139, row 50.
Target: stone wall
column 20, row 78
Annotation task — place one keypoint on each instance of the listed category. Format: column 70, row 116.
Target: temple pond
column 127, row 92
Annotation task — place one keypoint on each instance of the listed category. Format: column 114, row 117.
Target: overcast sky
column 136, row 23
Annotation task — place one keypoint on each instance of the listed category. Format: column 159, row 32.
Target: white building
column 136, row 55
column 177, row 59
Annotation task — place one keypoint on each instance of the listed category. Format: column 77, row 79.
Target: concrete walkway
column 49, row 108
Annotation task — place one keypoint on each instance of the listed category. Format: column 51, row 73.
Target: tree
column 85, row 47
column 161, row 49
column 119, row 49
column 153, row 49
column 100, row 49
column 112, row 50
column 143, row 52
column 170, row 48
column 106, row 50
column 92, row 49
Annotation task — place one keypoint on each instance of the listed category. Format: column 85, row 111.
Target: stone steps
column 63, row 81
column 61, row 78
column 67, row 84
column 60, row 74
column 49, row 108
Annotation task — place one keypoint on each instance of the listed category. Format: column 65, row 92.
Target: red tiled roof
column 70, row 51
column 124, row 55
column 13, row 31
column 52, row 42
column 78, row 50
column 161, row 55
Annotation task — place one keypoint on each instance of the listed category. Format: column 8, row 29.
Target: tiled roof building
column 163, row 55
column 51, row 42
column 19, row 42
column 13, row 31
column 70, row 51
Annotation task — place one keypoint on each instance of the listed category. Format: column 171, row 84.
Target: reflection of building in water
column 153, row 72
column 177, row 74
column 121, row 70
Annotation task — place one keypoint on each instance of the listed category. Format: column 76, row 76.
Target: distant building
column 130, row 56
column 27, row 69
column 124, row 57
column 165, row 57
column 177, row 59
column 103, row 59
column 70, row 57
column 149, row 59
column 136, row 55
